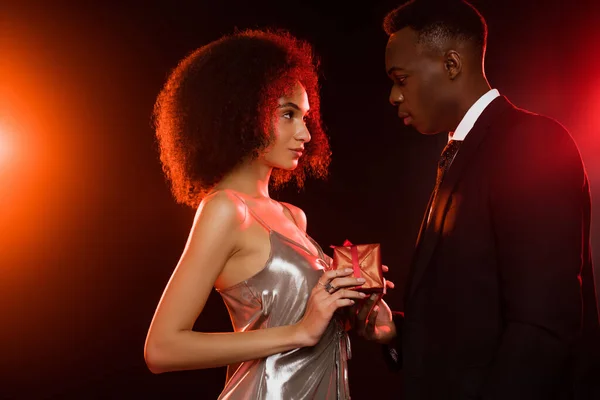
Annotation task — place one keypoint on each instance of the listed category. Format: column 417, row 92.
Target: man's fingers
column 365, row 310
column 360, row 316
column 363, row 316
column 370, row 329
column 376, row 298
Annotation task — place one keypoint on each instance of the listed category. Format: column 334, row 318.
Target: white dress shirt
column 463, row 129
column 466, row 124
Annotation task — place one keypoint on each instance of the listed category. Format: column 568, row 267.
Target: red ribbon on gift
column 354, row 252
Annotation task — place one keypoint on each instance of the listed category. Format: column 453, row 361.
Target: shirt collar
column 462, row 130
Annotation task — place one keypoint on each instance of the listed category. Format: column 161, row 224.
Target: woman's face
column 290, row 133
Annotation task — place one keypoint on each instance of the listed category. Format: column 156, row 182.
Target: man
column 500, row 300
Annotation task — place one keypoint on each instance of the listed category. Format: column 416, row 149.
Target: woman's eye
column 288, row 115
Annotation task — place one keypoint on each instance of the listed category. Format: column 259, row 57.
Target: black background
column 89, row 232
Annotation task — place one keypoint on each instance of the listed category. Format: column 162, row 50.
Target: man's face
column 421, row 85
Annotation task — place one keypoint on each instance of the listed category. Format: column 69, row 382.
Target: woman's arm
column 172, row 345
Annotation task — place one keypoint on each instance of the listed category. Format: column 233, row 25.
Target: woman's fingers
column 347, row 282
column 328, row 276
column 348, row 294
column 343, row 303
column 332, row 280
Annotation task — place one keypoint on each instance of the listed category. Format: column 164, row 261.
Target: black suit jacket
column 500, row 300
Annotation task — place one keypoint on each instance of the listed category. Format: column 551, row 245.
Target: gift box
column 365, row 261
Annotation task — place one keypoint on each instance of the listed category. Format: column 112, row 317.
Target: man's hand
column 373, row 319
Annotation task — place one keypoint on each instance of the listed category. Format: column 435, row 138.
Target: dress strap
column 256, row 217
column 317, row 246
column 290, row 212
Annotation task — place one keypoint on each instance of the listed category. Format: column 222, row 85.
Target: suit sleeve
column 392, row 352
column 537, row 204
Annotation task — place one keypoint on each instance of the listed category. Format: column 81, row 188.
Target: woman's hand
column 330, row 293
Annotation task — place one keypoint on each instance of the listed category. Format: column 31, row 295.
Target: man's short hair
column 435, row 21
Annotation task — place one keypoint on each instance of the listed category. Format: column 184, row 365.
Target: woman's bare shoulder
column 299, row 215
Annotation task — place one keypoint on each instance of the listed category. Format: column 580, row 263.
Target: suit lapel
column 424, row 221
column 411, row 270
column 430, row 232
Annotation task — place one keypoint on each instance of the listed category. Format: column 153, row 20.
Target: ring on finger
column 327, row 286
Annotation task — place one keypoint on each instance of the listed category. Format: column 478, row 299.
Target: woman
column 235, row 117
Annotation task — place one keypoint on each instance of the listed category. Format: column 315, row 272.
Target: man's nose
column 396, row 97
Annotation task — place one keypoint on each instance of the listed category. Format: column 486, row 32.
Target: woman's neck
column 250, row 178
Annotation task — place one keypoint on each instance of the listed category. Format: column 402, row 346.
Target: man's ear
column 452, row 63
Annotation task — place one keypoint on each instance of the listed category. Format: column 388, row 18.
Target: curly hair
column 216, row 108
column 434, row 20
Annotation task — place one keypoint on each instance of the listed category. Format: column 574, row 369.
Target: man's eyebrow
column 394, row 69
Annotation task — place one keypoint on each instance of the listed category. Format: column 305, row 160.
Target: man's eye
column 401, row 80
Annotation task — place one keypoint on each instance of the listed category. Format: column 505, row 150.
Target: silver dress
column 277, row 296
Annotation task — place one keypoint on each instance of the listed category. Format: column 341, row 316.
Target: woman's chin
column 289, row 166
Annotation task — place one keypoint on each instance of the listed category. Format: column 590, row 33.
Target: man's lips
column 405, row 117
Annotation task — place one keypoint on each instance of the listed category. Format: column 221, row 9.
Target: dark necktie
column 446, row 159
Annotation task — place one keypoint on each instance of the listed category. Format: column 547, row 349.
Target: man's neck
column 470, row 94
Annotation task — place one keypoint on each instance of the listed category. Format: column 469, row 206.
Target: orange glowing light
column 7, row 145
